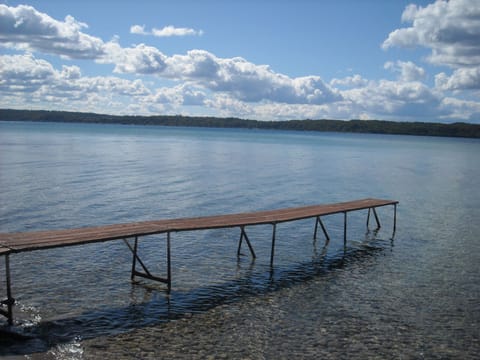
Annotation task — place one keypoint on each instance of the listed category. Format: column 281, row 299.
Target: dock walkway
column 12, row 243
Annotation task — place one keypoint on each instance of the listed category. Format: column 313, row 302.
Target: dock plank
column 29, row 241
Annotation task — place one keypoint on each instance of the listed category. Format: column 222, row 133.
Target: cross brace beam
column 319, row 221
column 146, row 273
column 243, row 235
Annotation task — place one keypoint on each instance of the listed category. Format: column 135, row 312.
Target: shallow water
column 415, row 296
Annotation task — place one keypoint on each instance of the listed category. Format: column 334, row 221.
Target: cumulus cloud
column 462, row 109
column 232, row 86
column 138, row 29
column 141, row 59
column 26, row 74
column 451, row 29
column 407, row 70
column 196, row 65
column 235, row 76
column 25, row 28
column 247, row 81
column 384, row 99
column 71, row 72
column 192, row 96
column 350, row 81
column 177, row 96
column 225, row 105
column 166, row 31
column 461, row 79
column 40, row 82
column 174, row 31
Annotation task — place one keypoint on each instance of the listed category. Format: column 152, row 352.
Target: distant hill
column 352, row 126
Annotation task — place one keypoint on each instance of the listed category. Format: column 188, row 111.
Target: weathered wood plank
column 29, row 241
column 4, row 250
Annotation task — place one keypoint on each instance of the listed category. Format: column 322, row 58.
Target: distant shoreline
column 458, row 129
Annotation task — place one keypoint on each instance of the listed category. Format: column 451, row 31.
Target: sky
column 253, row 59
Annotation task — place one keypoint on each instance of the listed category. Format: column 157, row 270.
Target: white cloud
column 247, row 81
column 170, row 30
column 462, row 110
column 350, row 81
column 407, row 70
column 172, row 100
column 37, row 78
column 167, row 96
column 28, row 80
column 196, row 65
column 461, row 79
column 141, row 59
column 138, row 29
column 192, row 96
column 223, row 86
column 451, row 29
column 235, row 76
column 397, row 99
column 25, row 28
column 166, row 31
column 225, row 105
column 24, row 73
column 71, row 72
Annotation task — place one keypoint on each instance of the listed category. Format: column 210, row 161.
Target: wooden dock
column 12, row 243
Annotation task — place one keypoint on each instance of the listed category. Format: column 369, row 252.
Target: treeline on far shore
column 458, row 129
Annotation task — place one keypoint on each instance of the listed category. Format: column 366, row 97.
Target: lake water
column 414, row 296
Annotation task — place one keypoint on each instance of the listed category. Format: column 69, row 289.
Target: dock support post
column 240, row 241
column 394, row 219
column 345, row 228
column 319, row 221
column 169, row 267
column 10, row 300
column 134, row 260
column 146, row 273
column 273, row 244
column 243, row 235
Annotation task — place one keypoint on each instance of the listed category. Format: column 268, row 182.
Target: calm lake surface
column 416, row 296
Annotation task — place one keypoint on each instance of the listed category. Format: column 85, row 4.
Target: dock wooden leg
column 243, row 235
column 319, row 221
column 146, row 273
column 394, row 219
column 169, row 265
column 134, row 260
column 10, row 301
column 376, row 218
column 273, row 243
column 240, row 242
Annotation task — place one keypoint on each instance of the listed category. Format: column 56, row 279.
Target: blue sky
column 266, row 60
